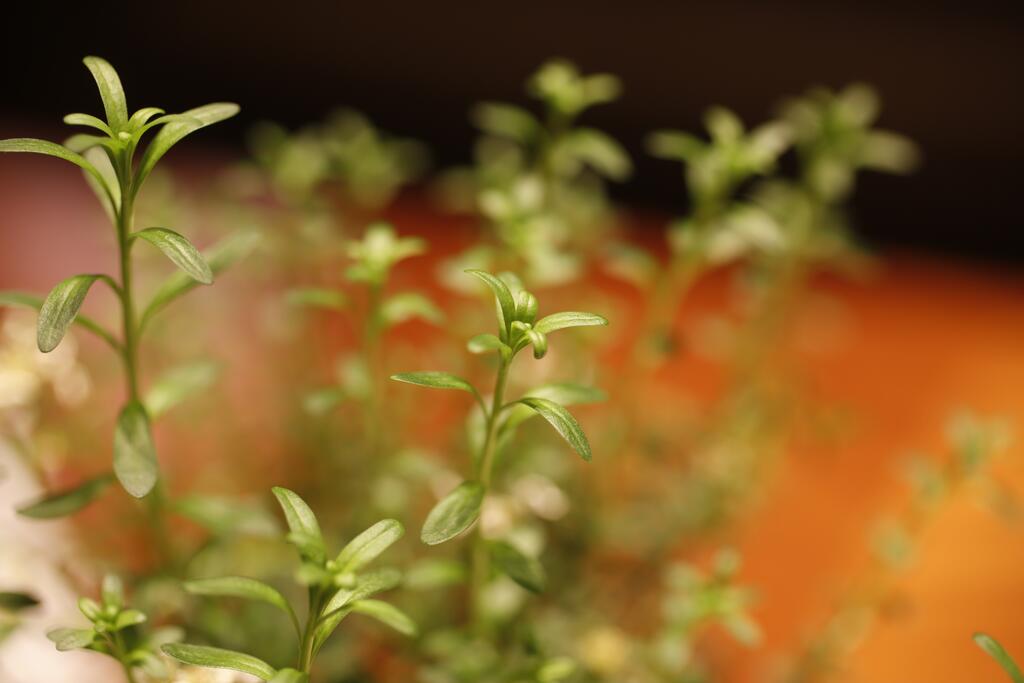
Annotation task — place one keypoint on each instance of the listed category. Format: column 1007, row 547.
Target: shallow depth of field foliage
column 550, row 506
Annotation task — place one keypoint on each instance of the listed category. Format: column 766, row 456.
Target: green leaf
column 674, row 145
column 111, row 92
column 341, row 603
column 367, row 546
column 173, row 132
column 245, row 588
column 15, row 602
column 128, row 618
column 453, row 514
column 134, row 454
column 436, row 380
column 88, row 120
column 220, row 257
column 24, row 300
column 485, row 343
column 539, row 341
column 317, row 298
column 139, row 118
column 526, row 571
column 67, row 502
column 113, row 591
column 302, row 522
column 563, row 422
column 505, row 120
column 178, row 384
column 408, row 305
column 431, row 574
column 506, row 305
column 59, row 310
column 223, row 516
column 290, row 676
column 600, row 151
column 996, row 651
column 71, row 638
column 387, row 614
column 54, row 150
column 560, row 321
column 216, row 658
column 563, row 393
column 180, row 252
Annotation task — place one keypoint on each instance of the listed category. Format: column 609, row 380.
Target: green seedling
column 336, row 588
column 996, row 651
column 116, row 631
column 518, row 328
column 539, row 180
column 108, row 158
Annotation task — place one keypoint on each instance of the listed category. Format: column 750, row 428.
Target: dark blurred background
column 949, row 73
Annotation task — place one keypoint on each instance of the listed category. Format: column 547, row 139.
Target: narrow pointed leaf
column 128, row 618
column 219, row 257
column 563, row 422
column 455, row 513
column 342, row 602
column 563, row 393
column 245, row 588
column 67, row 502
column 559, row 321
column 180, row 251
column 139, row 118
column 216, row 658
column 134, row 454
column 71, row 638
column 367, row 546
column 435, row 380
column 173, row 132
column 87, row 120
column 997, row 652
column 526, row 571
column 485, row 343
column 50, row 149
column 111, row 92
column 387, row 614
column 15, row 602
column 302, row 522
column 59, row 310
column 506, row 305
column 24, row 300
column 178, row 384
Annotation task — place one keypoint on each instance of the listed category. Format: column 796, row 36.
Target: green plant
column 116, row 632
column 996, row 651
column 518, row 329
column 336, row 588
column 108, row 160
column 539, row 180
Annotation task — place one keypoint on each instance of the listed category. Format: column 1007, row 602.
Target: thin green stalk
column 129, row 350
column 308, row 636
column 480, row 560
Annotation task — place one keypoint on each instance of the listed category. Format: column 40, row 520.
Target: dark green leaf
column 67, row 502
column 455, row 513
column 71, row 638
column 216, row 658
column 302, row 523
column 559, row 321
column 180, row 252
column 992, row 647
column 111, row 92
column 506, row 305
column 563, row 422
column 367, row 546
column 173, row 132
column 59, row 310
column 526, row 571
column 387, row 614
column 134, row 454
column 15, row 602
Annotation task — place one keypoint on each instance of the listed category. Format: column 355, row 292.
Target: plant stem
column 129, row 350
column 372, row 357
column 306, row 646
column 480, row 560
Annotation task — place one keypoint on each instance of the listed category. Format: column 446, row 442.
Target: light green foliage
column 116, row 631
column 337, row 587
column 109, row 161
column 996, row 651
column 517, row 311
column 539, row 180
column 377, row 253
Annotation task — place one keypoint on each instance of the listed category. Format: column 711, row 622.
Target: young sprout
column 116, row 632
column 539, row 180
column 336, row 587
column 518, row 328
column 108, row 159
